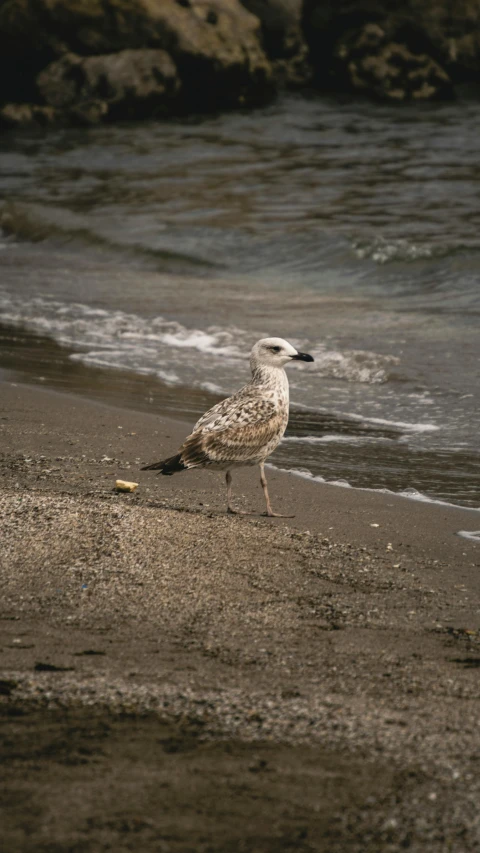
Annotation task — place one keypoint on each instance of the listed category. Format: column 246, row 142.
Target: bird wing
column 236, row 434
column 243, row 407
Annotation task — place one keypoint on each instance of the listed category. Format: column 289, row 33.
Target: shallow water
column 156, row 254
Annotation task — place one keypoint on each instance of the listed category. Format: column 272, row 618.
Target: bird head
column 275, row 352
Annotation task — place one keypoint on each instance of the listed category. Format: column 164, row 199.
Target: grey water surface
column 139, row 263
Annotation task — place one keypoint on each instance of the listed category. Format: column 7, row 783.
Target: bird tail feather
column 168, row 466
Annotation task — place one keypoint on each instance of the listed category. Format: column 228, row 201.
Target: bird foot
column 271, row 514
column 231, row 511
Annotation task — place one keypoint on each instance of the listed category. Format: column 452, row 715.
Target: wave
column 409, row 494
column 365, row 419
column 118, row 339
column 99, row 360
column 37, row 223
column 382, row 250
column 360, row 366
column 117, row 331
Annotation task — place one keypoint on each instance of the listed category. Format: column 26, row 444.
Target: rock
column 128, row 84
column 435, row 43
column 281, row 26
column 26, row 115
column 295, row 71
column 88, row 112
column 283, row 39
column 453, row 31
column 215, row 44
column 217, row 48
column 389, row 70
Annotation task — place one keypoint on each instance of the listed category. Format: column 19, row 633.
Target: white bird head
column 275, row 352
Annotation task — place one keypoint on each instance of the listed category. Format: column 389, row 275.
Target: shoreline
column 389, row 493
column 303, row 488
column 268, row 677
column 438, row 472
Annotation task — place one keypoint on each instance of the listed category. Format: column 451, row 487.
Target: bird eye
column 275, row 349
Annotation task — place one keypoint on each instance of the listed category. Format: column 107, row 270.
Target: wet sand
column 173, row 679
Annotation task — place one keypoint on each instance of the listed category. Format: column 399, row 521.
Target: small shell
column 124, row 486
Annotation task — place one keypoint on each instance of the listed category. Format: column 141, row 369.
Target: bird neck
column 269, row 377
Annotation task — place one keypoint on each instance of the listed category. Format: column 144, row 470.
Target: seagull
column 245, row 428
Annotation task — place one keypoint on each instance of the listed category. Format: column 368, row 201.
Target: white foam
column 382, row 251
column 411, row 427
column 333, row 438
column 470, row 534
column 124, row 341
column 202, row 341
column 212, row 388
column 414, row 495
column 361, row 366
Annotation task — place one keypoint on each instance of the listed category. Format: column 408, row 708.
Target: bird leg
column 230, row 509
column 270, row 513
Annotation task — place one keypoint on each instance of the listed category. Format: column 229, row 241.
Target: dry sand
column 174, row 679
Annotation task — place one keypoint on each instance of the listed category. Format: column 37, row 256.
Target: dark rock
column 294, row 72
column 128, row 84
column 88, row 112
column 283, row 39
column 281, row 25
column 26, row 115
column 433, row 42
column 217, row 48
column 389, row 70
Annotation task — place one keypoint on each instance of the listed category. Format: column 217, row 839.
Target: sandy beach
column 174, row 679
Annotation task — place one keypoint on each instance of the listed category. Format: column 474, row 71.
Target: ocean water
column 139, row 263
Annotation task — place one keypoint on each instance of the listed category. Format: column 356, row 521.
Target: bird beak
column 302, row 356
